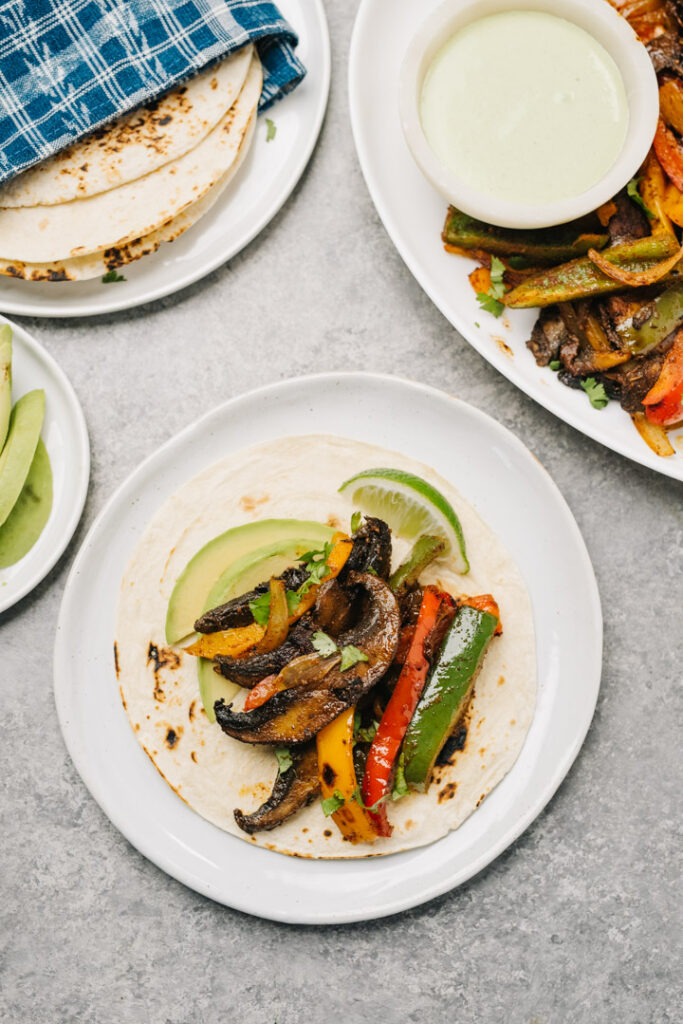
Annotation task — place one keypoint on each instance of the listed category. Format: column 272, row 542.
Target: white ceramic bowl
column 596, row 17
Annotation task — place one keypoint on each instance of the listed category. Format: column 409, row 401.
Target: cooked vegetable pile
column 611, row 284
column 356, row 676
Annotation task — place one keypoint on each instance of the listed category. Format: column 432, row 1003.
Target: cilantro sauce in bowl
column 528, row 114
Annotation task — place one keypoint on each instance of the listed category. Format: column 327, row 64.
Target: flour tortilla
column 136, row 144
column 41, row 234
column 83, row 268
column 215, row 774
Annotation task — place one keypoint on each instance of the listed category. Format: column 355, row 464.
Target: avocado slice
column 20, row 447
column 240, row 577
column 31, row 511
column 189, row 596
column 5, row 380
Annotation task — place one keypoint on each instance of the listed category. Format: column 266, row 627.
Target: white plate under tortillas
column 42, row 234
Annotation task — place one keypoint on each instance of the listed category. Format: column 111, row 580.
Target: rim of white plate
column 162, row 859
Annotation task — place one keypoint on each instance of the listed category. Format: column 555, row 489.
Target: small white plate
column 262, row 185
column 413, row 213
column 509, row 489
column 66, row 439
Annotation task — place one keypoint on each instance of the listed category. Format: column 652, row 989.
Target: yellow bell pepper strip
column 237, row 641
column 652, row 186
column 232, row 642
column 338, row 783
column 580, row 278
column 653, row 435
column 673, row 204
column 664, row 401
column 671, row 103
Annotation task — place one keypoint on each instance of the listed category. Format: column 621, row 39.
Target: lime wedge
column 410, row 506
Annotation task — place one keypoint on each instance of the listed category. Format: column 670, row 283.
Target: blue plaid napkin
column 69, row 66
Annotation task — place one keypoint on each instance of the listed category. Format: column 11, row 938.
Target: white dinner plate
column 515, row 496
column 66, row 439
column 262, row 185
column 414, row 213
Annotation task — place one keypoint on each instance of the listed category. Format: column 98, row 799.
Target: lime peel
column 411, row 506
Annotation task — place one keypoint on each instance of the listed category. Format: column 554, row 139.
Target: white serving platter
column 513, row 494
column 262, row 185
column 413, row 214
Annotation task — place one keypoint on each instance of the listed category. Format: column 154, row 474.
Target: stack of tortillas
column 118, row 194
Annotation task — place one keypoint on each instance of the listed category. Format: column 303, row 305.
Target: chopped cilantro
column 634, row 194
column 260, row 608
column 112, row 276
column 350, row 656
column 358, row 797
column 293, row 601
column 284, row 759
column 596, row 392
column 324, row 644
column 400, row 787
column 332, row 803
column 477, row 324
column 367, row 734
column 271, row 129
column 356, row 520
column 555, row 364
column 489, row 304
column 490, row 300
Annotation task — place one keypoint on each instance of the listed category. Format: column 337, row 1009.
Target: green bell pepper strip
column 447, row 693
column 581, row 279
column 424, row 550
column 666, row 318
column 548, row 245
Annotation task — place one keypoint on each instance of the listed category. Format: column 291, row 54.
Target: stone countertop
column 576, row 921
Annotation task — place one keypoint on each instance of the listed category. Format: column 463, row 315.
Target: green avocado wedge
column 242, row 576
column 447, row 693
column 189, row 596
column 5, row 380
column 20, row 447
column 31, row 511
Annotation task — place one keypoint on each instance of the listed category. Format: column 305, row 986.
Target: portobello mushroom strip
column 315, row 690
column 292, row 790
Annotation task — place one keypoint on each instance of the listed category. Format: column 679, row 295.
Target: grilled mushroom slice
column 292, row 790
column 317, row 689
column 237, row 612
column 249, row 671
column 371, row 550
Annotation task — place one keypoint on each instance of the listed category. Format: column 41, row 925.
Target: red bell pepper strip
column 664, row 401
column 486, row 603
column 669, row 153
column 262, row 692
column 383, row 753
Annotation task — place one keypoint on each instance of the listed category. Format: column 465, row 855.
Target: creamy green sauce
column 525, row 106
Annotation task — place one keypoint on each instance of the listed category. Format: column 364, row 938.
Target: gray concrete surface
column 577, row 921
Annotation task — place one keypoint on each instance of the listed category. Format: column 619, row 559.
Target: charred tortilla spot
column 161, row 657
column 448, row 792
column 172, row 737
column 327, row 833
column 165, row 120
column 193, row 755
column 453, row 745
column 191, row 710
column 116, row 659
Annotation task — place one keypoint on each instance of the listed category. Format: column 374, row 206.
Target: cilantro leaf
column 271, row 129
column 634, row 194
column 358, row 797
column 332, row 803
column 596, row 392
column 350, row 656
column 356, row 520
column 476, row 324
column 367, row 734
column 490, row 304
column 260, row 608
column 324, row 644
column 293, row 601
column 554, row 364
column 284, row 759
column 496, row 273
column 111, row 277
column 400, row 787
